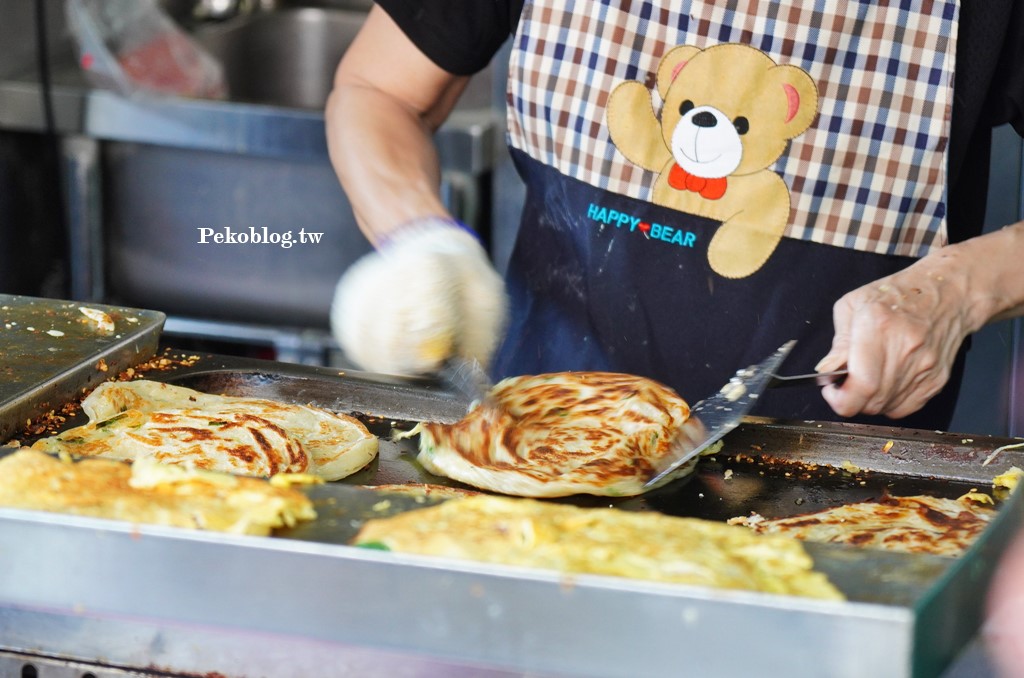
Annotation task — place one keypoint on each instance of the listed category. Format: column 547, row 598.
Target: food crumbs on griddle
column 162, row 363
column 46, row 423
column 888, row 446
column 850, row 467
column 102, row 320
column 977, row 497
column 102, row 365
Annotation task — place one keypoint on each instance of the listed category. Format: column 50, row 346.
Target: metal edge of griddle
column 136, row 344
column 952, row 611
column 882, row 449
column 423, row 607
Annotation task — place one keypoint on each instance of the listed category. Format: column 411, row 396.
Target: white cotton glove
column 427, row 294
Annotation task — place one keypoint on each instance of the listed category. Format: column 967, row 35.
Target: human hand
column 898, row 337
column 427, row 294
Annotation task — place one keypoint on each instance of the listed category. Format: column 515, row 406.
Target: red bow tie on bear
column 681, row 180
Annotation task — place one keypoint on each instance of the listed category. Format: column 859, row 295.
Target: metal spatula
column 720, row 413
column 469, row 379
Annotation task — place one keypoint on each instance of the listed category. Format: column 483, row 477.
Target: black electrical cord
column 43, row 62
column 51, row 144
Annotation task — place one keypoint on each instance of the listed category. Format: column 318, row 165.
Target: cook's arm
column 899, row 335
column 429, row 292
column 388, row 100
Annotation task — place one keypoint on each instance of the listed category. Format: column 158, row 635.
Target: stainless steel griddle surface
column 804, row 473
column 931, row 605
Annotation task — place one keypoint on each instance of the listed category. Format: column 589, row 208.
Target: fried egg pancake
column 559, row 434
column 148, row 492
column 248, row 436
column 914, row 524
column 638, row 545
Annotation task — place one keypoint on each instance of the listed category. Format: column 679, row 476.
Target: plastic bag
column 132, row 45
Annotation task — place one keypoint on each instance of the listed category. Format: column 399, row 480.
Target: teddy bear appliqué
column 729, row 112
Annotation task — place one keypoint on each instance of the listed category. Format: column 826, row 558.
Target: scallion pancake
column 560, row 434
column 247, row 436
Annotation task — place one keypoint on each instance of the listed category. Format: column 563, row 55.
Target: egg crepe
column 560, row 434
column 148, row 492
column 914, row 524
column 247, row 436
column 639, row 545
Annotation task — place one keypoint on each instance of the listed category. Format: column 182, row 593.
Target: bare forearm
column 996, row 261
column 387, row 102
column 899, row 336
column 385, row 159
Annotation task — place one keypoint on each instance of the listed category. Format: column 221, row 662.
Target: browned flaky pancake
column 560, row 434
column 248, row 436
column 914, row 524
column 148, row 492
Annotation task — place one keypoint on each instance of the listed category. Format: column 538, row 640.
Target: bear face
column 730, row 110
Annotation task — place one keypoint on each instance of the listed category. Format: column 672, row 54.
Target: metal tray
column 303, row 603
column 50, row 352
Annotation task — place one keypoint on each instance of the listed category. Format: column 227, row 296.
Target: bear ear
column 801, row 95
column 670, row 64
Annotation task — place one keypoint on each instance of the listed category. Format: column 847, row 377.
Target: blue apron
column 703, row 182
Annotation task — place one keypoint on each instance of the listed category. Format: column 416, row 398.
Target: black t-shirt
column 461, row 37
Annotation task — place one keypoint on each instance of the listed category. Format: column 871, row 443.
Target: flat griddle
column 906, row 614
column 50, row 352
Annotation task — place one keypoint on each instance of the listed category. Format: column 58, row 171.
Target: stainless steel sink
column 285, row 57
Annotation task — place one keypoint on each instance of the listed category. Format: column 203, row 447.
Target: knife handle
column 835, row 377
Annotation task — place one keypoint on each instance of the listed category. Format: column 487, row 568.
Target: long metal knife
column 720, row 413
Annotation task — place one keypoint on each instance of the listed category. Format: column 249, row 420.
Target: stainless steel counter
column 467, row 143
column 143, row 173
